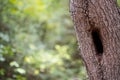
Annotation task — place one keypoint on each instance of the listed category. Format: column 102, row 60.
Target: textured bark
column 97, row 25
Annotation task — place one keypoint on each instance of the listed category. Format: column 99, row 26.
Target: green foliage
column 118, row 1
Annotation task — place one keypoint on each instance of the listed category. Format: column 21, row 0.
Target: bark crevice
column 96, row 37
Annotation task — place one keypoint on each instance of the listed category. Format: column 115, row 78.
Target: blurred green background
column 38, row 42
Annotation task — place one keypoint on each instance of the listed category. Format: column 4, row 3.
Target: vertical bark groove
column 96, row 37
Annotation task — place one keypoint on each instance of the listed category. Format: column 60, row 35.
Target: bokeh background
column 38, row 41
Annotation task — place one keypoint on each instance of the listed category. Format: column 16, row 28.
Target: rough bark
column 97, row 25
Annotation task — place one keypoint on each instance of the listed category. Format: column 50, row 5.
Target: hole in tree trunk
column 97, row 41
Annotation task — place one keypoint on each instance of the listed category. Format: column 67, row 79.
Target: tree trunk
column 97, row 25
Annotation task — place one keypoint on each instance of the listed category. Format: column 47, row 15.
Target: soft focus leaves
column 14, row 63
column 118, row 1
column 20, row 70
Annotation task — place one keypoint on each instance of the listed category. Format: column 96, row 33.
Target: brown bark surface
column 97, row 25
